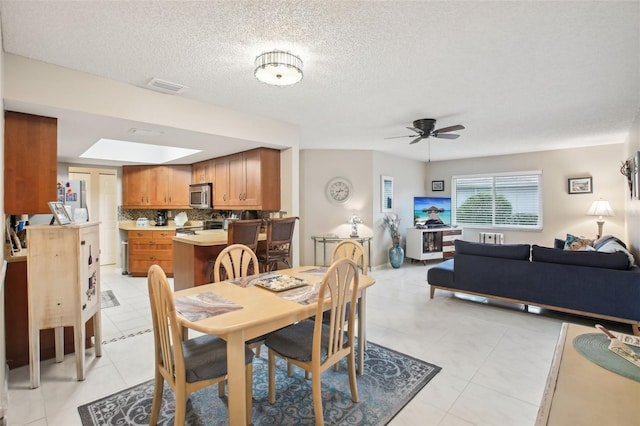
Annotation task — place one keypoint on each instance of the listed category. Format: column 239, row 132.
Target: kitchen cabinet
column 149, row 247
column 248, row 180
column 63, row 284
column 156, row 187
column 203, row 171
column 432, row 243
column 30, row 163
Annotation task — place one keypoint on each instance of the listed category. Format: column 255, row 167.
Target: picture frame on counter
column 60, row 214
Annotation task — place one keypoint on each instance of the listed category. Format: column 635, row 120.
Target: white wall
column 562, row 212
column 632, row 207
column 318, row 216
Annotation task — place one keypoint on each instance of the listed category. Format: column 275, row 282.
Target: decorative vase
column 396, row 255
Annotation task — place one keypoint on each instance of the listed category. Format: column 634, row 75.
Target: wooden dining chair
column 237, row 261
column 278, row 244
column 315, row 346
column 350, row 249
column 186, row 366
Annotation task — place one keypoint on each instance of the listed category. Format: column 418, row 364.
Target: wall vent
column 166, row 86
column 492, row 237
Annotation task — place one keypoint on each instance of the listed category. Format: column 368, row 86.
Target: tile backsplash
column 192, row 214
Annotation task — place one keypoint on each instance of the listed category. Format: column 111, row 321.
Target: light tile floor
column 494, row 356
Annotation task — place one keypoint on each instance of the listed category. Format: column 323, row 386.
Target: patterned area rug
column 108, row 299
column 390, row 381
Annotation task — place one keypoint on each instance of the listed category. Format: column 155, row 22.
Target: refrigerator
column 73, row 193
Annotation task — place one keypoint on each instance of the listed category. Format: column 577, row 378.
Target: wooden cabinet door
column 179, row 186
column 30, row 163
column 237, row 180
column 159, row 182
column 135, row 186
column 221, row 183
column 198, row 172
column 252, row 195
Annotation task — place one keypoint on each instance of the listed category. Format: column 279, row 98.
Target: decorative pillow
column 573, row 243
column 610, row 244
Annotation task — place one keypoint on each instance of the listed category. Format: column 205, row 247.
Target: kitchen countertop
column 209, row 237
column 130, row 225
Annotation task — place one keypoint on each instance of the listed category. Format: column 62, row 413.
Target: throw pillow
column 573, row 243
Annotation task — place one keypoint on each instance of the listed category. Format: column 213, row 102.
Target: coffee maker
column 161, row 218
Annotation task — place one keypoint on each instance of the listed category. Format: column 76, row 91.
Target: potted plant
column 396, row 253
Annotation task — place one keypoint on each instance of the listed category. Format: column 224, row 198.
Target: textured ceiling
column 521, row 76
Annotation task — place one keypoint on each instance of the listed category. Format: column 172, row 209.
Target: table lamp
column 600, row 208
column 354, row 221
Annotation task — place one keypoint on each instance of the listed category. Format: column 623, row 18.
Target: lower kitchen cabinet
column 150, row 247
column 432, row 243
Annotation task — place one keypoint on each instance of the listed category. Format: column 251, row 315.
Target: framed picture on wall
column 583, row 185
column 437, row 185
column 386, row 194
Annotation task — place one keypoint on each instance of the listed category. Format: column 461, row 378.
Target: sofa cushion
column 441, row 274
column 574, row 243
column 506, row 251
column 611, row 244
column 591, row 259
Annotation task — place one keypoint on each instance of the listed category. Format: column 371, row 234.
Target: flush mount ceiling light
column 278, row 68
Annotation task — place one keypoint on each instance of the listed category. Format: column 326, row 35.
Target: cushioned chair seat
column 296, row 340
column 205, row 357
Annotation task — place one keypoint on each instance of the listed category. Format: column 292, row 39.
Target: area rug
column 390, row 381
column 108, row 299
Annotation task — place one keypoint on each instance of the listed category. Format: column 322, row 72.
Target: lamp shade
column 600, row 208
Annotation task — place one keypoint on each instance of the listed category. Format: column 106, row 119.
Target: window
column 508, row 200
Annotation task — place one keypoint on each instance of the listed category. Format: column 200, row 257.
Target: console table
column 331, row 240
column 431, row 243
column 580, row 392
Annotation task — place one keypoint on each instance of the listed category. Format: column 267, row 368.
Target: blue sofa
column 590, row 283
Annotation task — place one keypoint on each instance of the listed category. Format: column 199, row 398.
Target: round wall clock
column 339, row 190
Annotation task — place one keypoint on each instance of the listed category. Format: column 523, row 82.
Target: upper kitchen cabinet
column 156, row 187
column 248, row 180
column 203, row 171
column 30, row 163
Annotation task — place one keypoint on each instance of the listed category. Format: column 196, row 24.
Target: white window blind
column 503, row 200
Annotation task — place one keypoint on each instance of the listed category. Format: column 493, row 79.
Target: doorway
column 101, row 187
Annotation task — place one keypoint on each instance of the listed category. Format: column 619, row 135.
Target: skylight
column 134, row 152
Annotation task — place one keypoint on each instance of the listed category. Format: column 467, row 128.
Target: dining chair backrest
column 351, row 249
column 169, row 359
column 340, row 283
column 278, row 244
column 244, row 232
column 235, row 261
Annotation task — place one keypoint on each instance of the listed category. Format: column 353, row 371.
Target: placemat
column 595, row 347
column 203, row 305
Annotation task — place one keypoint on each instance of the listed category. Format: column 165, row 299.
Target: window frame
column 494, row 176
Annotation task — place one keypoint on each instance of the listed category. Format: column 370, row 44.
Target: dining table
column 241, row 309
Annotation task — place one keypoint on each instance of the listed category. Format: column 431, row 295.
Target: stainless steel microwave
column 200, row 196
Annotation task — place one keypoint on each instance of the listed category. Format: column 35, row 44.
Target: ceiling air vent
column 166, row 86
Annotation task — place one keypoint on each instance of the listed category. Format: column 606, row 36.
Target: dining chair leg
column 316, row 391
column 221, row 388
column 351, row 365
column 158, row 386
column 181, row 405
column 289, row 369
column 272, row 377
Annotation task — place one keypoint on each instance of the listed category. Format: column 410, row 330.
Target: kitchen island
column 192, row 253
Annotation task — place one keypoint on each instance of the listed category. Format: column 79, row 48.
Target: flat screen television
column 431, row 212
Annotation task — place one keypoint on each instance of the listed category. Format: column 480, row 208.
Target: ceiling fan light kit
column 278, row 68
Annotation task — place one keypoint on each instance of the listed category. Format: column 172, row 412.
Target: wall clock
column 339, row 190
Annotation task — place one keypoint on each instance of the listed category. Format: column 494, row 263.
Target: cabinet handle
column 151, row 242
column 82, row 242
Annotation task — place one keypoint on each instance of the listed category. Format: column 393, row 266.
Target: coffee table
column 580, row 392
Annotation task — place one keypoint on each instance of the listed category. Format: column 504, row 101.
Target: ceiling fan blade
column 418, row 139
column 418, row 131
column 446, row 136
column 449, row 129
column 405, row 136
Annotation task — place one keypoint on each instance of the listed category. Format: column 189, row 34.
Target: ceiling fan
column 424, row 128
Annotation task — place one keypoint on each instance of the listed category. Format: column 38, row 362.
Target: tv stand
column 431, row 243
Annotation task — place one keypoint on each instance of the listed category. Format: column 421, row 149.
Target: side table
column 331, row 240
